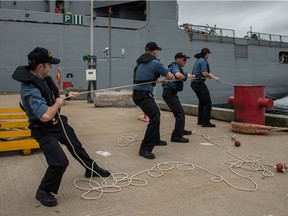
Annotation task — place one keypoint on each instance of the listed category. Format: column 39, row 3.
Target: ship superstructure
column 64, row 28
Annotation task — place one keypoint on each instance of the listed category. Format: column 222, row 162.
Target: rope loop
column 115, row 182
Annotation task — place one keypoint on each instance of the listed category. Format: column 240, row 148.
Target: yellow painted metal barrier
column 14, row 132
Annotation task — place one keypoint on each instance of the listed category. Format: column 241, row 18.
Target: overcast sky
column 264, row 16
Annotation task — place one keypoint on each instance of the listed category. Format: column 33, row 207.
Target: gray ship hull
column 258, row 64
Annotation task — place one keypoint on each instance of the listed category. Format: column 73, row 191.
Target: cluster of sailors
column 41, row 102
column 149, row 69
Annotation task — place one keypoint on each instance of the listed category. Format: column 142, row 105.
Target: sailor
column 41, row 102
column 170, row 90
column 201, row 71
column 148, row 70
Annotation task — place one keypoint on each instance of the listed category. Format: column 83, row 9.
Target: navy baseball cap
column 205, row 50
column 151, row 46
column 41, row 55
column 181, row 55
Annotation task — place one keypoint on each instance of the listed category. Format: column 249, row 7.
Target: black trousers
column 170, row 97
column 147, row 104
column 48, row 139
column 205, row 104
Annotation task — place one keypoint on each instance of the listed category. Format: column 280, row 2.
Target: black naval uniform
column 37, row 93
column 148, row 69
column 170, row 90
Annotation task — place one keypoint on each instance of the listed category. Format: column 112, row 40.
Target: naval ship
column 116, row 33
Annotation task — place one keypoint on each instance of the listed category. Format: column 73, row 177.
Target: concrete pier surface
column 187, row 190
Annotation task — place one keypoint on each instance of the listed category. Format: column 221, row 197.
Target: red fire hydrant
column 249, row 104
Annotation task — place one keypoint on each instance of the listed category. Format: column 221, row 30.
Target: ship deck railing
column 207, row 30
column 230, row 33
column 267, row 37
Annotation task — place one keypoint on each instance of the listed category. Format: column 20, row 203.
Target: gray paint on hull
column 70, row 43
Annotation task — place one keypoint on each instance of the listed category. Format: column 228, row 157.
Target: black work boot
column 46, row 198
column 179, row 139
column 161, row 143
column 187, row 132
column 98, row 172
column 146, row 154
column 208, row 125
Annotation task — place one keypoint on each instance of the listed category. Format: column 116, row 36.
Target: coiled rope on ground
column 117, row 181
column 114, row 183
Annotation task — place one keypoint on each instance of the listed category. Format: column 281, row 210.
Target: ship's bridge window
column 134, row 10
column 283, row 57
column 59, row 6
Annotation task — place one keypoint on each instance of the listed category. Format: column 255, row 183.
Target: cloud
column 263, row 16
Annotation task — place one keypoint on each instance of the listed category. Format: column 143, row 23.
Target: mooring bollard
column 249, row 104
